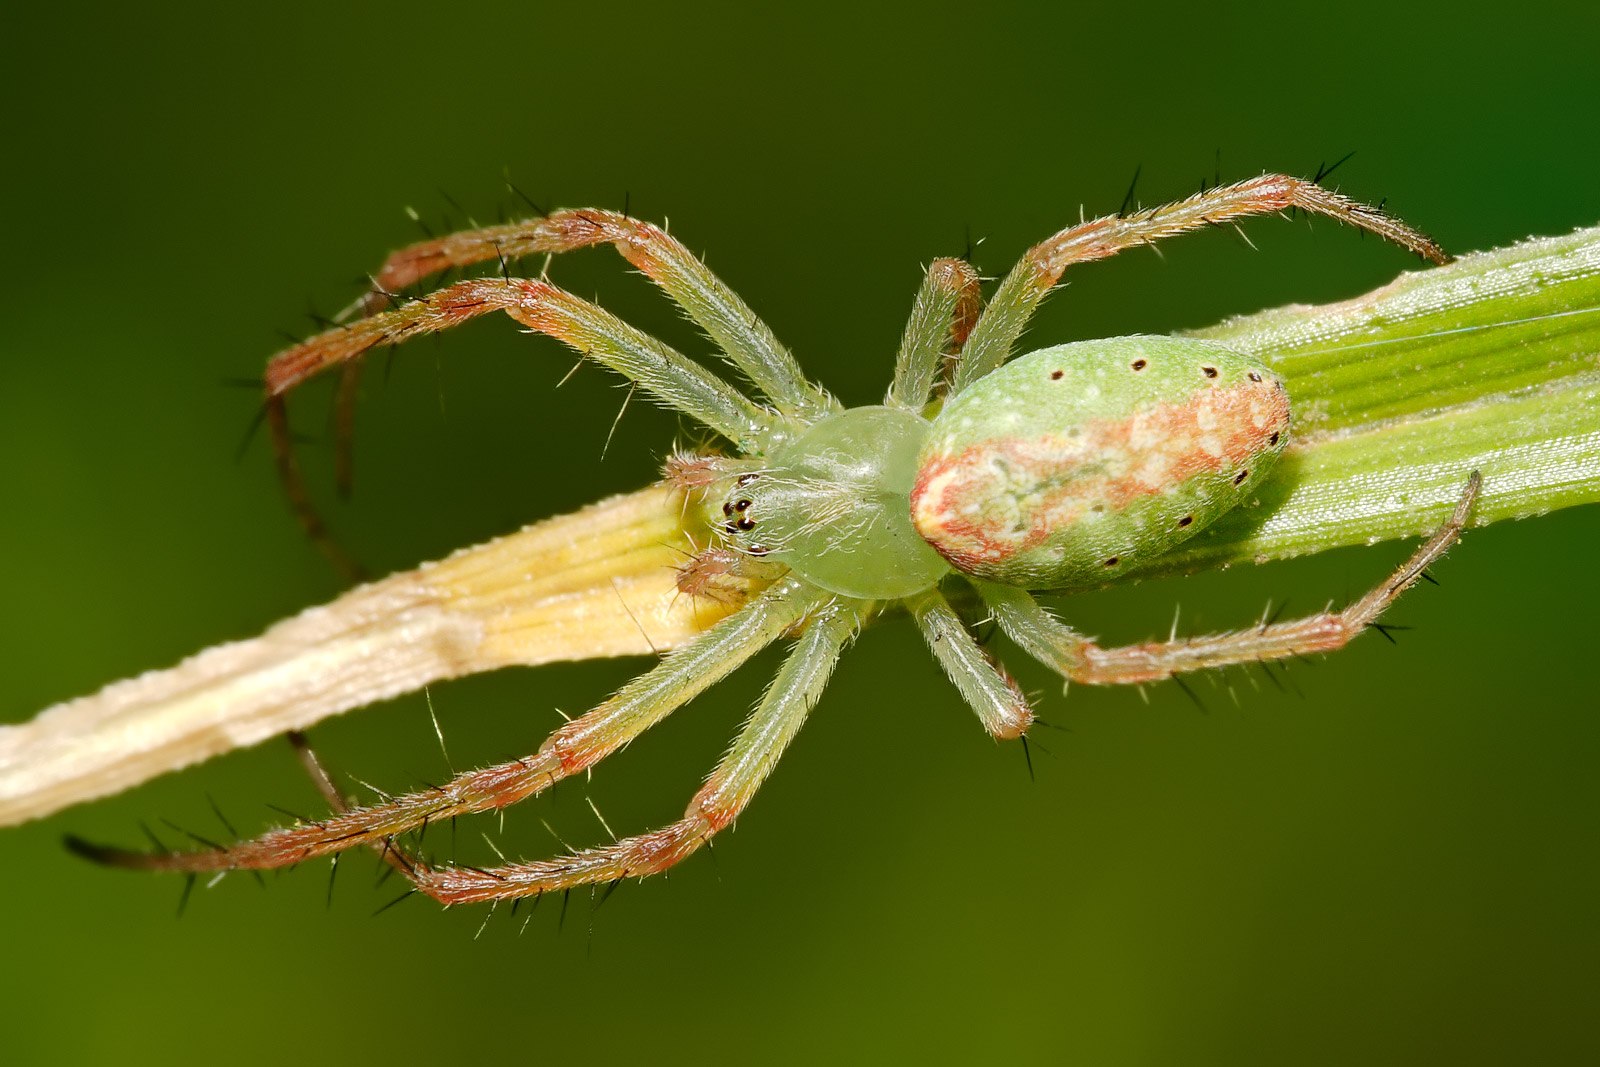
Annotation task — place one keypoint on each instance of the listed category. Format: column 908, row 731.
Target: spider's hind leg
column 1081, row 660
column 1042, row 265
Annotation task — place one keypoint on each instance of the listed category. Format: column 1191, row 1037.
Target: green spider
column 1055, row 471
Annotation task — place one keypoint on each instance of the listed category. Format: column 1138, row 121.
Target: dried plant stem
column 598, row 582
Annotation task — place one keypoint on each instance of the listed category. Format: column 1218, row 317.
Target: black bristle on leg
column 1127, row 198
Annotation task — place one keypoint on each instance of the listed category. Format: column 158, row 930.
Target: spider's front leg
column 742, row 337
column 388, row 850
column 746, row 341
column 753, row 755
column 1081, row 660
column 674, row 379
column 755, row 752
column 576, row 746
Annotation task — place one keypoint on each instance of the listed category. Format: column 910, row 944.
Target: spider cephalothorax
column 1059, row 470
column 832, row 505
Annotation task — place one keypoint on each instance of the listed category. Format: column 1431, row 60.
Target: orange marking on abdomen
column 1110, row 463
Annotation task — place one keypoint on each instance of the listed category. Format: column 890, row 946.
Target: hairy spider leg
column 298, row 495
column 345, row 396
column 680, row 676
column 743, row 338
column 1079, row 659
column 755, row 751
column 1001, row 706
column 672, row 378
column 943, row 314
column 388, row 851
column 1033, row 277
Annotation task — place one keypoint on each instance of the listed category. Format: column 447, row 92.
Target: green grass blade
column 1489, row 364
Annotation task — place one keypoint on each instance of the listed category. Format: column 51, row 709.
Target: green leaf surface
column 1491, row 363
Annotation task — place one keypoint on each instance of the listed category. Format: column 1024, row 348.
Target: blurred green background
column 1396, row 864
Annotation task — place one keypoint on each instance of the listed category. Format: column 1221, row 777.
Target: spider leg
column 942, row 316
column 576, row 746
column 1041, row 267
column 753, row 755
column 1081, row 660
column 339, row 804
column 1001, row 706
column 298, row 495
column 746, row 341
column 292, row 480
column 672, row 378
column 344, row 427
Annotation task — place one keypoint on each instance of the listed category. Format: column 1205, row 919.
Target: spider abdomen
column 1073, row 464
